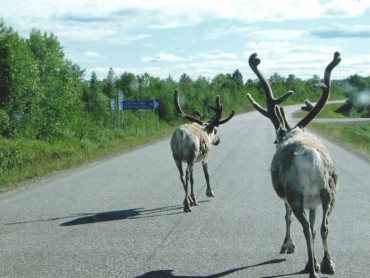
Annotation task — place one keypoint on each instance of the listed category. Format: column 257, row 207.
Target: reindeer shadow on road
column 92, row 217
column 167, row 273
column 135, row 213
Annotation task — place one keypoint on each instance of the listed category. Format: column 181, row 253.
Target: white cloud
column 342, row 31
column 346, row 8
column 287, row 58
column 215, row 36
column 216, row 55
column 167, row 14
column 91, row 53
column 163, row 57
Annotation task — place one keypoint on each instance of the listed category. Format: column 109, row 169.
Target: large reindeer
column 191, row 143
column 302, row 172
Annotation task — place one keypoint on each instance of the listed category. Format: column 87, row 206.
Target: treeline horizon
column 44, row 96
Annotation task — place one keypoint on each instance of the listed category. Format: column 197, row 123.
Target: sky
column 202, row 38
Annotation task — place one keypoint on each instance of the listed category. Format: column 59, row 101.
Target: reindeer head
column 209, row 126
column 276, row 113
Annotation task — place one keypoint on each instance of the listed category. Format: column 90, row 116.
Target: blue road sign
column 140, row 104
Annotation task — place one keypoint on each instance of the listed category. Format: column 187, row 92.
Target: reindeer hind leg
column 296, row 203
column 313, row 233
column 327, row 265
column 184, row 183
column 288, row 246
column 187, row 200
column 193, row 200
column 179, row 166
column 209, row 191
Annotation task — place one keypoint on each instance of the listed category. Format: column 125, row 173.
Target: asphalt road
column 123, row 216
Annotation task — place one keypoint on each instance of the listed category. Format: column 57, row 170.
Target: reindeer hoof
column 327, row 266
column 187, row 203
column 193, row 201
column 288, row 247
column 312, row 275
column 209, row 193
column 187, row 209
column 287, row 251
column 307, row 269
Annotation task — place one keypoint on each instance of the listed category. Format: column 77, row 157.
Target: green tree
column 128, row 84
column 93, row 78
column 61, row 90
column 20, row 95
column 109, row 86
column 238, row 78
column 96, row 103
column 77, row 69
column 48, row 53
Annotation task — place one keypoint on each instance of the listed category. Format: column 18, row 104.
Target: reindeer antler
column 307, row 106
column 180, row 112
column 325, row 92
column 213, row 122
column 216, row 120
column 271, row 101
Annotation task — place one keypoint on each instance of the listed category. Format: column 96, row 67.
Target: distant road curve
column 328, row 120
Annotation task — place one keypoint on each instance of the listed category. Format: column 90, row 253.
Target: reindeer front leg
column 209, row 191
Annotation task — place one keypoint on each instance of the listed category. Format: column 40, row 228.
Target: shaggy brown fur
column 296, row 148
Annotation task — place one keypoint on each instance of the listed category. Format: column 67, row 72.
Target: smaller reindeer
column 302, row 172
column 191, row 143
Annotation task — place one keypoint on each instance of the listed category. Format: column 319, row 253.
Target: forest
column 47, row 98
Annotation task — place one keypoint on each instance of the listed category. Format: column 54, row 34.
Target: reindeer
column 302, row 172
column 191, row 143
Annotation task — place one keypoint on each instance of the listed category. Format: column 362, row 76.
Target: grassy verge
column 21, row 160
column 355, row 136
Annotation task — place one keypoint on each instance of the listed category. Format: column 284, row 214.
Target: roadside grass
column 355, row 136
column 22, row 160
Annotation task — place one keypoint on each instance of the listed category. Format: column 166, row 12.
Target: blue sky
column 202, row 38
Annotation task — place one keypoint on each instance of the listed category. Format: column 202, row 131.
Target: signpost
column 136, row 105
column 120, row 107
column 133, row 105
column 112, row 108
